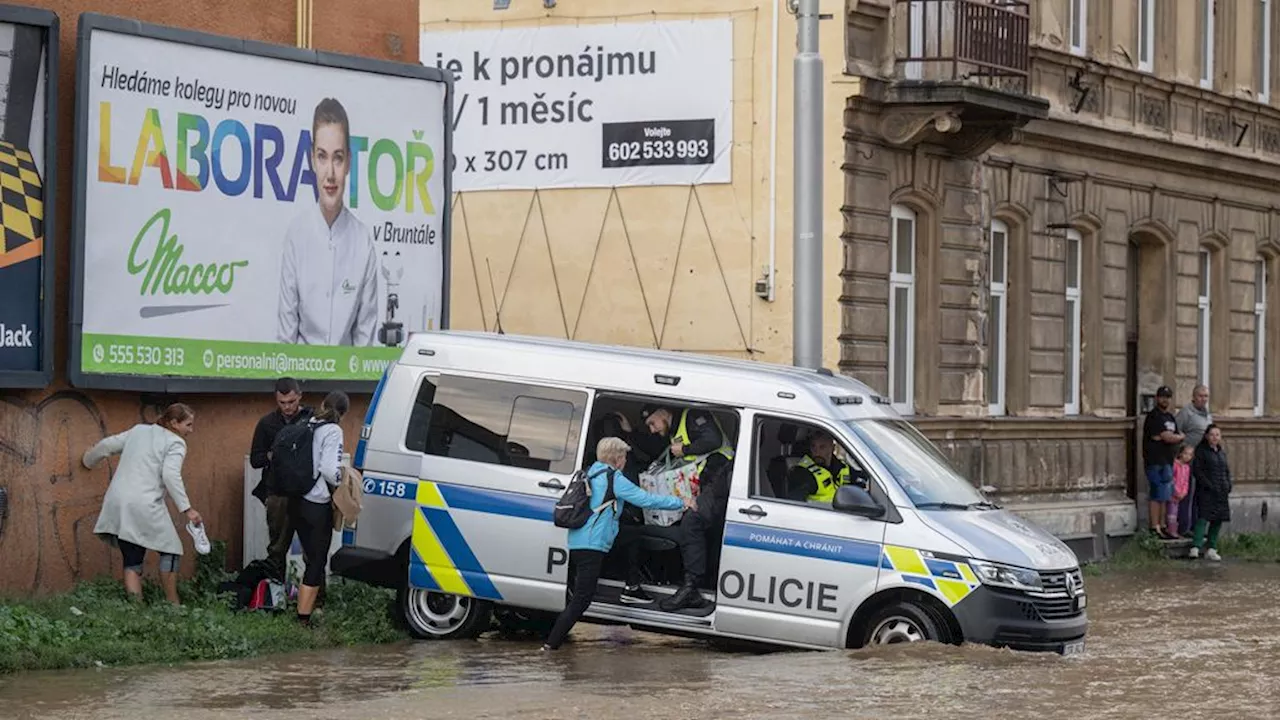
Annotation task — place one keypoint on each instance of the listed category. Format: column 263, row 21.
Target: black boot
column 687, row 596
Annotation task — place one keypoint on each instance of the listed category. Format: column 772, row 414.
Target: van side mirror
column 856, row 501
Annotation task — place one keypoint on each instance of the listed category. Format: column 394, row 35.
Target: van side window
column 415, row 436
column 502, row 423
column 785, row 466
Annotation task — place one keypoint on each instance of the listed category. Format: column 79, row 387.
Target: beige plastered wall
column 671, row 267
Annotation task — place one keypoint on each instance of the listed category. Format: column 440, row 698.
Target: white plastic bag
column 669, row 476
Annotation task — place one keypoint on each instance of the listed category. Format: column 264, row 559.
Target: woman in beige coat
column 134, row 517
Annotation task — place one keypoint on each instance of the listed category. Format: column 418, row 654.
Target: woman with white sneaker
column 134, row 517
column 1213, row 493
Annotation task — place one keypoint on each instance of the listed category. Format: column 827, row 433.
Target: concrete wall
column 47, row 541
column 658, row 251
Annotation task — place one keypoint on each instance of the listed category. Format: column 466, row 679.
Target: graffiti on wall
column 46, row 540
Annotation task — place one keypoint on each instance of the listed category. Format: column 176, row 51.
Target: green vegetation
column 96, row 624
column 1145, row 551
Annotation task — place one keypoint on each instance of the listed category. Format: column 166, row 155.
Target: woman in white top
column 312, row 514
column 134, row 517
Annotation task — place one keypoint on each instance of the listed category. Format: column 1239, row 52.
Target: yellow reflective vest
column 827, row 485
column 682, row 434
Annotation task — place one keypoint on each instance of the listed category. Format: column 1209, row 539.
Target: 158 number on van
column 386, row 488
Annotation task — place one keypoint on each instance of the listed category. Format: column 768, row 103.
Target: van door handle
column 552, row 484
column 755, row 512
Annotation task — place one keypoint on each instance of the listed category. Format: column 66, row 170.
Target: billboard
column 28, row 134
column 247, row 211
column 589, row 105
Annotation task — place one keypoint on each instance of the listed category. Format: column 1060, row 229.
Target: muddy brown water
column 1198, row 642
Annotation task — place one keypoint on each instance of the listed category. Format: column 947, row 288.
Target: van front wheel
column 901, row 622
column 432, row 615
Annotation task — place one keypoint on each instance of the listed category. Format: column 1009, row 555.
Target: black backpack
column 574, row 508
column 291, row 462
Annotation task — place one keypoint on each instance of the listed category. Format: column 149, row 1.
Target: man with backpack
column 590, row 510
column 289, row 410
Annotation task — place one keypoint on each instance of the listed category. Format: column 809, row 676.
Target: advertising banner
column 591, row 105
column 249, row 216
column 26, row 194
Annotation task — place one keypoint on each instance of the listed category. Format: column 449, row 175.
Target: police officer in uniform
column 692, row 434
column 815, row 478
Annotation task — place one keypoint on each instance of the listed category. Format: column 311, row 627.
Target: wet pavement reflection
column 1203, row 641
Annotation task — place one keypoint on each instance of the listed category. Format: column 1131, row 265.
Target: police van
column 471, row 438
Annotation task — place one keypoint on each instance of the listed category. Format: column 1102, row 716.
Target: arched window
column 1260, row 284
column 1204, row 305
column 902, row 309
column 998, row 319
column 1072, row 316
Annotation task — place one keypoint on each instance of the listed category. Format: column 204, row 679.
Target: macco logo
column 164, row 271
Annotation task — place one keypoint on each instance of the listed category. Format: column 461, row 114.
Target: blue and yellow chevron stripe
column 440, row 558
column 954, row 581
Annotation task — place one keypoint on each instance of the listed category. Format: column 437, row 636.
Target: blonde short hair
column 612, row 449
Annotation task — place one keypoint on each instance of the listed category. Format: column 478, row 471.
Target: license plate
column 1073, row 648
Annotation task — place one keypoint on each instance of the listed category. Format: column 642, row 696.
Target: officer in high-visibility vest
column 815, row 478
column 693, row 434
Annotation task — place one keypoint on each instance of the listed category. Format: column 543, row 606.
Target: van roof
column 702, row 378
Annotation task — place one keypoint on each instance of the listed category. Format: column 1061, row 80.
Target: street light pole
column 807, row 277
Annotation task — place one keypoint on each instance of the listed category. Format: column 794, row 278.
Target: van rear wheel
column 901, row 622
column 432, row 615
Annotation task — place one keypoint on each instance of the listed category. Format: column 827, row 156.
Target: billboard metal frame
column 47, row 20
column 173, row 385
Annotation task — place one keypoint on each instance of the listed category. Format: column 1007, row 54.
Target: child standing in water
column 1181, row 486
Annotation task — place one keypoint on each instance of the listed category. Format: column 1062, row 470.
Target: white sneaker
column 1194, row 554
column 199, row 538
column 1212, row 555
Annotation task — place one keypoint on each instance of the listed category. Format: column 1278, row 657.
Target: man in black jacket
column 693, row 434
column 289, row 410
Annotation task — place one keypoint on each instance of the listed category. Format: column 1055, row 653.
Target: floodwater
column 1199, row 642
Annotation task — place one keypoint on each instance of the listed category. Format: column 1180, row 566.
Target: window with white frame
column 1079, row 26
column 998, row 318
column 1203, row 346
column 902, row 310
column 1073, row 344
column 1146, row 34
column 1263, row 50
column 1260, row 337
column 1208, row 9
column 915, row 39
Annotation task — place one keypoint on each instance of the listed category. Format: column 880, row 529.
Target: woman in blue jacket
column 589, row 544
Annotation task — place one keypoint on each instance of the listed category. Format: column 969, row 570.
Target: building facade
column 1053, row 208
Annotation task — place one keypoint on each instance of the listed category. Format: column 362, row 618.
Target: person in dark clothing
column 692, row 434
column 1213, row 493
column 289, row 410
column 1160, row 440
column 818, row 474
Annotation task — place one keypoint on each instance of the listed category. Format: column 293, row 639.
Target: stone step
column 1176, row 549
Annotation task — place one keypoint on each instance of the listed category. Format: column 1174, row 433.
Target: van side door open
column 496, row 457
column 792, row 567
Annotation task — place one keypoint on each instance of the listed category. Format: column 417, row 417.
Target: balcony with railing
column 982, row 42
column 961, row 76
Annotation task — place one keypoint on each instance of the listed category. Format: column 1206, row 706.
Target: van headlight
column 1006, row 576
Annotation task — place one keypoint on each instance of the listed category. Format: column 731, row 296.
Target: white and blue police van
column 471, row 438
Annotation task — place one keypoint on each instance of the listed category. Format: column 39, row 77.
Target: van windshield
column 917, row 465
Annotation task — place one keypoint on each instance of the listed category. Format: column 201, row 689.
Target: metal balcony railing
column 985, row 42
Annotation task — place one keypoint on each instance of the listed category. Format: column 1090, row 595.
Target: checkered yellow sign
column 21, row 200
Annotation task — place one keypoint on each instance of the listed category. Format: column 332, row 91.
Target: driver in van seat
column 696, row 433
column 815, row 478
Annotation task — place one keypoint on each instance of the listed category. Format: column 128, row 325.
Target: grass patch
column 96, row 624
column 1145, row 551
